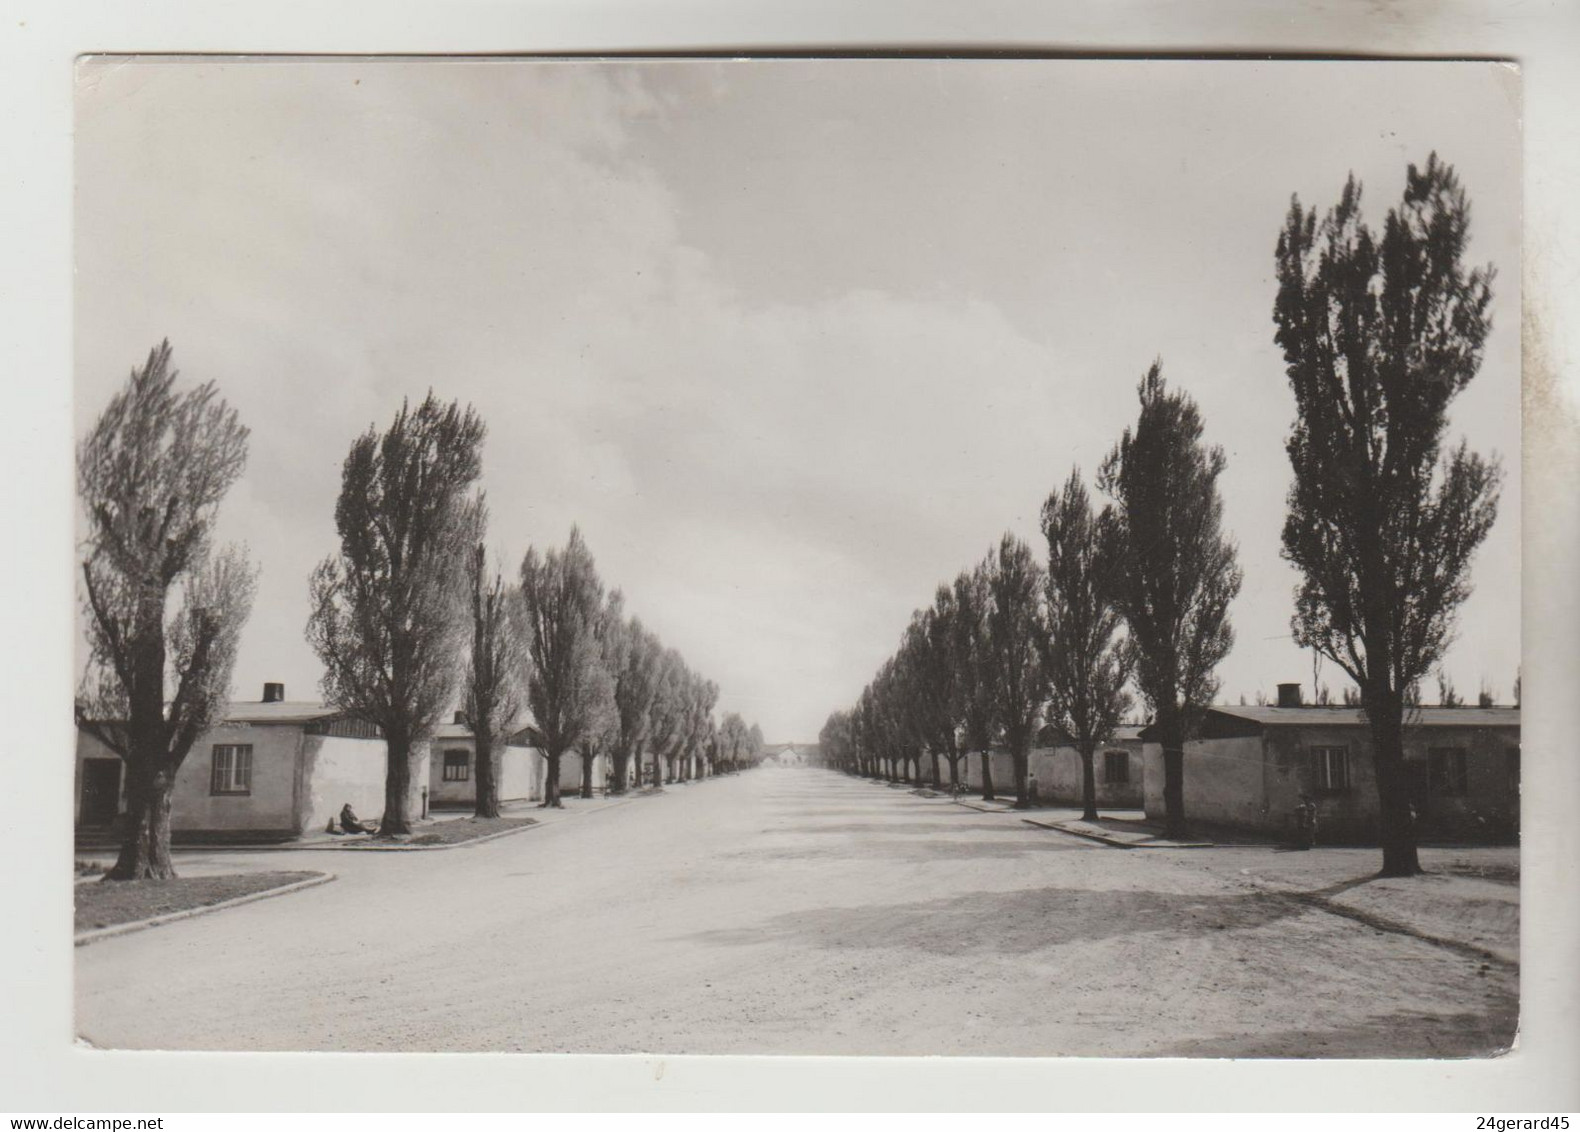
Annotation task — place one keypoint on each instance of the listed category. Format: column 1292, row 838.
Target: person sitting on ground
column 349, row 822
column 1305, row 823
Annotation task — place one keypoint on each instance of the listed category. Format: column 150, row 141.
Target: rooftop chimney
column 1289, row 695
column 273, row 693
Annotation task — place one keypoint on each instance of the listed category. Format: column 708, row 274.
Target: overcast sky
column 791, row 341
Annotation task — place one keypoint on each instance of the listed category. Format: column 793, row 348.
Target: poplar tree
column 388, row 613
column 150, row 476
column 1379, row 334
column 972, row 602
column 1172, row 571
column 1015, row 634
column 635, row 685
column 1087, row 664
column 496, row 677
column 944, row 703
column 570, row 693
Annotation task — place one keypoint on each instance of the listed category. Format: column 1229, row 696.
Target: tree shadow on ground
column 1406, row 1034
column 1501, row 873
column 881, row 827
column 1013, row 923
column 867, row 811
column 911, row 849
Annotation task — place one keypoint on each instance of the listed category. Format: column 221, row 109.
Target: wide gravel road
column 789, row 911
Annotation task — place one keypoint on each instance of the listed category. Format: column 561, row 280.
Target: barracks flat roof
column 1227, row 720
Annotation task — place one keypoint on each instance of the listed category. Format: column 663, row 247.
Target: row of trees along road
column 1379, row 333
column 409, row 617
column 1138, row 592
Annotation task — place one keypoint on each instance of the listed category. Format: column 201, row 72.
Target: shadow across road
column 905, row 849
column 1462, row 1034
column 892, row 827
column 1012, row 923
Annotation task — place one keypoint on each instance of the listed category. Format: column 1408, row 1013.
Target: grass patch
column 456, row 832
column 106, row 903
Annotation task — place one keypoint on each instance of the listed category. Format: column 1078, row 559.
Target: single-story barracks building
column 271, row 770
column 1056, row 765
column 452, row 775
column 1248, row 766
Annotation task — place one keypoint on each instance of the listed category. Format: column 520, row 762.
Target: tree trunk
column 987, row 777
column 397, row 786
column 551, row 784
column 1171, row 736
column 1174, row 791
column 622, row 770
column 1088, row 784
column 954, row 771
column 1396, row 830
column 145, row 846
column 487, row 801
column 938, row 774
column 1021, row 762
column 587, row 773
column 150, row 771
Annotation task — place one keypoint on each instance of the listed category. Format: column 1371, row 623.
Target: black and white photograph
column 985, row 557
column 995, row 557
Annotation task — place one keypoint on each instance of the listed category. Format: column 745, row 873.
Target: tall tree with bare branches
column 1015, row 634
column 1379, row 335
column 570, row 692
column 389, row 612
column 601, row 739
column 150, row 476
column 1173, row 570
column 1083, row 654
column 666, row 713
column 497, row 676
column 943, row 686
column 702, row 696
column 916, row 647
column 735, row 740
column 836, row 742
column 973, row 600
column 636, row 674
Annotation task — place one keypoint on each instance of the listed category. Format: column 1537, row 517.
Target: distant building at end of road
column 791, row 754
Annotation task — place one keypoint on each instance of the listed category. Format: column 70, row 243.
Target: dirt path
column 794, row 912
